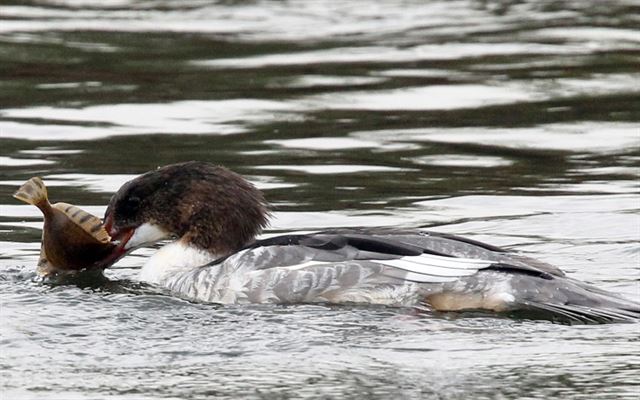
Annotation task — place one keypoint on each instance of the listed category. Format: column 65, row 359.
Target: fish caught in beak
column 128, row 239
column 119, row 241
column 72, row 239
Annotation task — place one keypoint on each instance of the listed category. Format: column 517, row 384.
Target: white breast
column 173, row 259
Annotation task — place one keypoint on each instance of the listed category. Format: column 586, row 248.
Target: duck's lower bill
column 119, row 250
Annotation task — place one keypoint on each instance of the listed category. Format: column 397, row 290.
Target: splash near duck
column 72, row 239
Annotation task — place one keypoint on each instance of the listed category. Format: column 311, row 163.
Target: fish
column 72, row 239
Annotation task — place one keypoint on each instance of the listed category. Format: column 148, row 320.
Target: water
column 512, row 122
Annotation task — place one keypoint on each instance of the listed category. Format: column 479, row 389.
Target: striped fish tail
column 33, row 192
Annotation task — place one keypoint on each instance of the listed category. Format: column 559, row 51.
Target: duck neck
column 172, row 259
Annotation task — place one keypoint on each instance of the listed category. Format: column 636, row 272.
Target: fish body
column 72, row 239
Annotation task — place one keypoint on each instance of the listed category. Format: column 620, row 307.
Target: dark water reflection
column 514, row 122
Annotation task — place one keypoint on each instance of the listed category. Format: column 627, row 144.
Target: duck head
column 204, row 205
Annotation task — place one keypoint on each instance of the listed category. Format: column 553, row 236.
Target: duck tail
column 587, row 304
column 33, row 192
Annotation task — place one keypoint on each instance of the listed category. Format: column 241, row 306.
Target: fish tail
column 33, row 192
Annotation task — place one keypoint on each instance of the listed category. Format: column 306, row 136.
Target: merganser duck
column 215, row 215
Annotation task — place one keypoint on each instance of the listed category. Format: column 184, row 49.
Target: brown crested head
column 206, row 205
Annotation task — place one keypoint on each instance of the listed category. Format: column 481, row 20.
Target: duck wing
column 438, row 257
column 361, row 259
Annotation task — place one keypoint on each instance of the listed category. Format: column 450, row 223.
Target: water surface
column 511, row 122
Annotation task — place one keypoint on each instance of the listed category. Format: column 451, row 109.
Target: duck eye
column 132, row 202
column 128, row 206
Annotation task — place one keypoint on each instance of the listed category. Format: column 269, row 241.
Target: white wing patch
column 427, row 268
column 424, row 268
